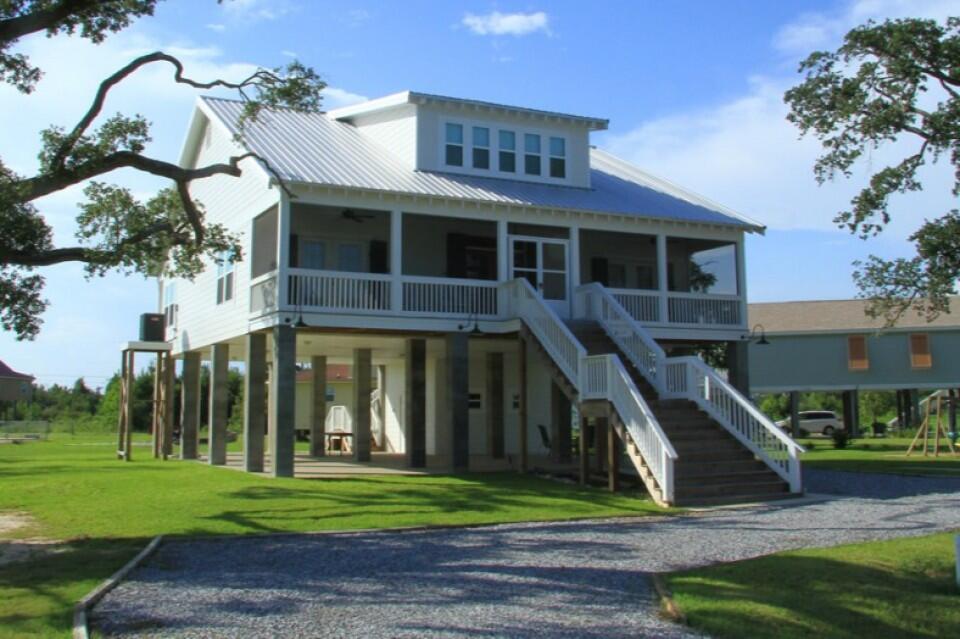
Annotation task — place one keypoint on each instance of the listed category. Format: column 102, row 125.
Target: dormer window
column 508, row 151
column 531, row 156
column 481, row 147
column 454, row 144
column 558, row 158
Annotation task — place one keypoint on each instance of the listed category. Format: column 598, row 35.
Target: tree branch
column 14, row 28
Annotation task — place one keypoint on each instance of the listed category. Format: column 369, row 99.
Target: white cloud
column 215, row 26
column 515, row 24
column 288, row 53
column 334, row 98
column 256, row 10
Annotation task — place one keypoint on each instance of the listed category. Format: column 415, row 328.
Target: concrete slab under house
column 502, row 294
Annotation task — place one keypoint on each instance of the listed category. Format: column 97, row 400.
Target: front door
column 543, row 263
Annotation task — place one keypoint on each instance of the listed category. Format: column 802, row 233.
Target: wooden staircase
column 713, row 466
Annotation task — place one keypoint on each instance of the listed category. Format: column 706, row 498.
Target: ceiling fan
column 353, row 216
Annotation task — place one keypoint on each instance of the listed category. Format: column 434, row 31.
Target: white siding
column 232, row 202
column 395, row 130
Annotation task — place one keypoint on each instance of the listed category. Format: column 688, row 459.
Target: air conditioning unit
column 151, row 327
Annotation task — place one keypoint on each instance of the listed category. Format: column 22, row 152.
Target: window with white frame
column 454, row 144
column 350, row 257
column 169, row 304
column 508, row 152
column 313, row 253
column 481, row 147
column 531, row 154
column 558, row 158
column 224, row 277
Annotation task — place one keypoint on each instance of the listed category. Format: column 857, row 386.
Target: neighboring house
column 835, row 346
column 495, row 272
column 14, row 386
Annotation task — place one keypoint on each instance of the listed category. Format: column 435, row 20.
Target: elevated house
column 518, row 298
column 834, row 346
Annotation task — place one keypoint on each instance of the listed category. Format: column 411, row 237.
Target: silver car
column 824, row 422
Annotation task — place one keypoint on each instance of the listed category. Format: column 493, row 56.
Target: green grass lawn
column 880, row 455
column 75, row 490
column 900, row 588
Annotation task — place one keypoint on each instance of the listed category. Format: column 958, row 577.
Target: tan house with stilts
column 504, row 294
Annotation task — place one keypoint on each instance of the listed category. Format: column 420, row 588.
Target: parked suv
column 815, row 421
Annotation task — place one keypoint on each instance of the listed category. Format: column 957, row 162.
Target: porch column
column 415, row 403
column 522, row 417
column 916, row 418
column 503, row 252
column 795, row 413
column 737, row 366
column 219, row 404
column 855, row 412
column 189, row 405
column 495, row 426
column 283, row 251
column 613, row 458
column 560, row 421
column 318, row 406
column 742, row 282
column 282, row 400
column 457, row 414
column 254, row 402
column 574, row 267
column 396, row 260
column 169, row 383
column 361, row 404
column 663, row 314
column 600, row 425
column 584, row 452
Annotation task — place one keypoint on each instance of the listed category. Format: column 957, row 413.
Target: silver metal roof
column 313, row 148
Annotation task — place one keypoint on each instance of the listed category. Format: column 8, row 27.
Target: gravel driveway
column 574, row 579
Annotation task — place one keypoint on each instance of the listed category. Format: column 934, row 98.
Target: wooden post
column 600, row 441
column 613, row 458
column 522, row 430
column 128, row 409
column 121, row 412
column 156, row 414
column 584, row 452
column 795, row 413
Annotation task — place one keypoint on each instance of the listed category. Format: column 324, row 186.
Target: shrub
column 840, row 438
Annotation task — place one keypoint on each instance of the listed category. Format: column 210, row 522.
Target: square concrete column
column 737, row 367
column 584, row 452
column 169, row 380
column 795, row 413
column 415, row 403
column 318, row 407
column 495, row 405
column 189, row 405
column 522, row 430
column 362, row 372
column 560, row 425
column 613, row 458
column 282, row 400
column 219, row 404
column 457, row 414
column 255, row 402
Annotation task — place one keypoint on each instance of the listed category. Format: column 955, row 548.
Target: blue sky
column 692, row 89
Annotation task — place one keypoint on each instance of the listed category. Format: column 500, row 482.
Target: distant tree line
column 78, row 408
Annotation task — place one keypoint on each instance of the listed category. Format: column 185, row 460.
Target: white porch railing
column 643, row 306
column 690, row 378
column 338, row 291
column 446, row 296
column 598, row 377
column 699, row 309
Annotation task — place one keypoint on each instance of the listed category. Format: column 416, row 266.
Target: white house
column 510, row 288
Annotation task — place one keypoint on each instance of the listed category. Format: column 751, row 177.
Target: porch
column 365, row 264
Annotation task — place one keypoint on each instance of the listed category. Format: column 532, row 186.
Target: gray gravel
column 573, row 579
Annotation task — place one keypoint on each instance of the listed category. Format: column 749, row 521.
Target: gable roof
column 313, row 148
column 8, row 373
column 837, row 316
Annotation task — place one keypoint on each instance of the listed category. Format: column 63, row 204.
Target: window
column 475, row 401
column 508, row 151
column 350, row 258
column 481, row 147
column 857, row 359
column 920, row 356
column 454, row 138
column 558, row 155
column 169, row 304
column 313, row 254
column 224, row 278
column 531, row 158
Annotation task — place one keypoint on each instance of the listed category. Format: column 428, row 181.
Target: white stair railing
column 600, row 377
column 690, row 378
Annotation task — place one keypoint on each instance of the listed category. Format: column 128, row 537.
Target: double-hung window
column 169, row 304
column 454, row 144
column 558, row 158
column 313, row 253
column 224, row 278
column 508, row 151
column 481, row 147
column 531, row 156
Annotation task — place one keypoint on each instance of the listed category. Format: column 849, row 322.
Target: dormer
column 468, row 137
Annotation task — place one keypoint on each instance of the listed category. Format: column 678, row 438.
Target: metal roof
column 313, row 148
column 838, row 316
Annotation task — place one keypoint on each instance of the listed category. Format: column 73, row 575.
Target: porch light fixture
column 762, row 341
column 475, row 331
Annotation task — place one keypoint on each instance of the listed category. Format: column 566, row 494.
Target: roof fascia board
column 222, row 126
column 370, row 106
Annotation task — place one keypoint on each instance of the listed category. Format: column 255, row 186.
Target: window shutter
column 378, row 257
column 294, row 257
column 920, row 356
column 600, row 270
column 857, row 353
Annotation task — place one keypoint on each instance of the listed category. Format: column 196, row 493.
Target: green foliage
column 887, row 82
column 840, row 438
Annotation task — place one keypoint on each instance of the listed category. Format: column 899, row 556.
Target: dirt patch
column 15, row 550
